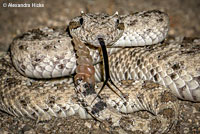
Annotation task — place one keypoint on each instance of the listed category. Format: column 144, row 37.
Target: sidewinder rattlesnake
column 147, row 74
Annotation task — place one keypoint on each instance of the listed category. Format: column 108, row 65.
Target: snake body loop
column 148, row 75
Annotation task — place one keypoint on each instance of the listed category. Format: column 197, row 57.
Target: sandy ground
column 184, row 21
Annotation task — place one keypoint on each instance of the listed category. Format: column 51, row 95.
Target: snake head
column 90, row 27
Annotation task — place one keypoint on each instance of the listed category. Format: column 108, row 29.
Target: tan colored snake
column 49, row 53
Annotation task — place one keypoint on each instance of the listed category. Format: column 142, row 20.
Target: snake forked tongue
column 106, row 69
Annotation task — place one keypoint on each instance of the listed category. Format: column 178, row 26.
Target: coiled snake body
column 148, row 75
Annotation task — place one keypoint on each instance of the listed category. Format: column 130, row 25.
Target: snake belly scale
column 148, row 75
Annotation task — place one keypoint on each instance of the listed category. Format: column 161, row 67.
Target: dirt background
column 184, row 21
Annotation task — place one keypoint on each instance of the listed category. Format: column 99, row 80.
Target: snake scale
column 149, row 75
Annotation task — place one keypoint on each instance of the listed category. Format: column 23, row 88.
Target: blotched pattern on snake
column 148, row 75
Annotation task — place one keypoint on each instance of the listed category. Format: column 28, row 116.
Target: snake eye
column 119, row 25
column 76, row 24
column 81, row 21
column 117, row 21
